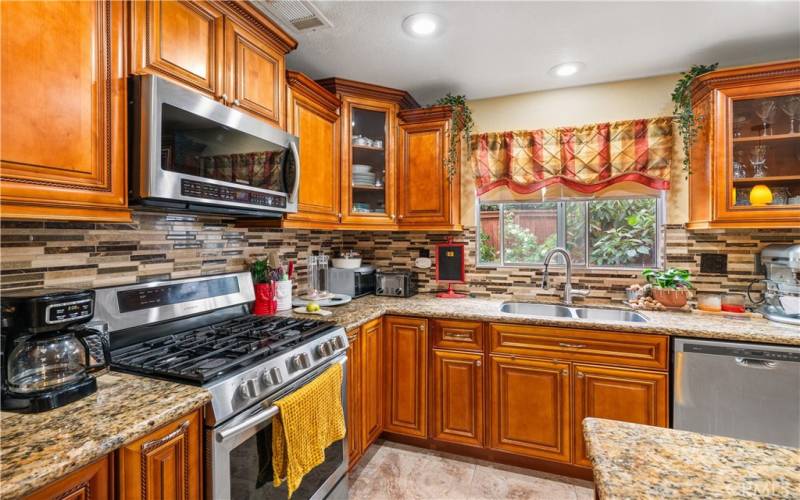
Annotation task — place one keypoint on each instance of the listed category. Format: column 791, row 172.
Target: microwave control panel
column 208, row 191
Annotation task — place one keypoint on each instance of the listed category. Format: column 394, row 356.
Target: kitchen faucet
column 568, row 291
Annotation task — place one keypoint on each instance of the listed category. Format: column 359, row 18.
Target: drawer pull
column 572, row 346
column 458, row 336
column 172, row 435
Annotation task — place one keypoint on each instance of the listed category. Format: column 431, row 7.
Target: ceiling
column 492, row 48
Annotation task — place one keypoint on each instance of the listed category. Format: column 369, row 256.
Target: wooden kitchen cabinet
column 371, row 382
column 314, row 118
column 228, row 50
column 428, row 193
column 458, row 397
column 354, row 398
column 406, row 372
column 91, row 482
column 63, row 111
column 617, row 394
column 530, row 407
column 749, row 141
column 166, row 464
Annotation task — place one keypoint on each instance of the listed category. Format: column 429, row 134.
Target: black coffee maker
column 46, row 354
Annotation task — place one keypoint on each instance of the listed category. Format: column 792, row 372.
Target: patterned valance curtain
column 584, row 159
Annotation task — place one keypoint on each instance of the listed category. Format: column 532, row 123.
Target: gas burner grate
column 203, row 354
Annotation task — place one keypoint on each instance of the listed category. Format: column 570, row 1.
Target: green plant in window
column 688, row 124
column 461, row 125
column 622, row 232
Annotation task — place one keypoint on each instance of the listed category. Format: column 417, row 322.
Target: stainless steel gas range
column 199, row 331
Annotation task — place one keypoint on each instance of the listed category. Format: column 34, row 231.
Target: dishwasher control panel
column 744, row 352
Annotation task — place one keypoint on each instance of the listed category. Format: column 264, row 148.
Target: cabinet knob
column 236, row 101
column 422, row 328
column 400, row 217
column 565, row 372
column 340, row 216
column 224, row 98
column 478, row 363
column 580, row 374
column 392, row 216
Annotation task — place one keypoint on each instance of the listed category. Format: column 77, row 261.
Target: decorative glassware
column 765, row 110
column 738, row 123
column 758, row 159
column 739, row 170
column 791, row 107
column 780, row 196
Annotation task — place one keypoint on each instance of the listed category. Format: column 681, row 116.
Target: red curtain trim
column 650, row 182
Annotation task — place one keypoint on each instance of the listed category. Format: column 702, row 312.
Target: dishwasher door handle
column 760, row 364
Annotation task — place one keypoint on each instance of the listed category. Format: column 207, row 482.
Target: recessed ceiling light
column 422, row 25
column 566, row 69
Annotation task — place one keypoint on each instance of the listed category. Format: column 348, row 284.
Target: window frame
column 561, row 208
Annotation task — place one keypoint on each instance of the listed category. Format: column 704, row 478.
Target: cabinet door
column 62, row 115
column 180, row 40
column 314, row 118
column 530, row 407
column 165, row 464
column 354, row 412
column 423, row 186
column 406, row 375
column 372, row 382
column 617, row 394
column 458, row 397
column 368, row 163
column 255, row 73
column 90, row 482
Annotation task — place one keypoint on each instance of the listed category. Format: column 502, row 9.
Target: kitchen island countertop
column 39, row 448
column 641, row 461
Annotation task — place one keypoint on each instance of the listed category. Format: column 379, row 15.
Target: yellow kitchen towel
column 310, row 419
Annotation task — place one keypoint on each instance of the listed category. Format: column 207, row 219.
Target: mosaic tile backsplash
column 159, row 246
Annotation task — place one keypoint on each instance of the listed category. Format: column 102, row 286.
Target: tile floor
column 394, row 471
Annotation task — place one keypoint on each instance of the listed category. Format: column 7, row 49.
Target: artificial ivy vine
column 688, row 124
column 460, row 125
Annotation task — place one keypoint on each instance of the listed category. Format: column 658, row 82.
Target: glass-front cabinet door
column 369, row 162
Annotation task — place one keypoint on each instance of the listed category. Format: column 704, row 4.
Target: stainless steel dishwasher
column 745, row 391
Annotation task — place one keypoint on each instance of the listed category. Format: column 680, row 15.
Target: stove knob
column 398, row 291
column 248, row 388
column 332, row 345
column 338, row 342
column 271, row 377
column 324, row 350
column 301, row 361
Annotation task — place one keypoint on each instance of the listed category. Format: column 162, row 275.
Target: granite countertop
column 364, row 309
column 640, row 461
column 39, row 448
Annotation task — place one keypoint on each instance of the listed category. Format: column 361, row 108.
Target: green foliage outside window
column 622, row 232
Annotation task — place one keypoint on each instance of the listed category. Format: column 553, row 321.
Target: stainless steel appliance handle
column 760, row 364
column 296, row 183
column 261, row 416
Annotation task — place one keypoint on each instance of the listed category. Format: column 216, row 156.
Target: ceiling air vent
column 301, row 15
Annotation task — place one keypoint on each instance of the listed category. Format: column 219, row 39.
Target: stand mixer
column 781, row 299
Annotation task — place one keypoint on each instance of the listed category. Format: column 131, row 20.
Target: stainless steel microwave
column 192, row 153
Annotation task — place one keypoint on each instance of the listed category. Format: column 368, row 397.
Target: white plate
column 337, row 300
column 361, row 169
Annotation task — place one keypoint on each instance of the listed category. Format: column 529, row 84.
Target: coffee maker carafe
column 780, row 300
column 47, row 360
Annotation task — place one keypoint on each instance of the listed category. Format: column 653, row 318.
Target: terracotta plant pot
column 671, row 297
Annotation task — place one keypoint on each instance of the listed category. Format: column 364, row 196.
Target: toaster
column 395, row 283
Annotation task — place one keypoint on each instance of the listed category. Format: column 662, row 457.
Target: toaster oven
column 396, row 283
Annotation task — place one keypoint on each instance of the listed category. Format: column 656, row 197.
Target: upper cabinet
column 427, row 189
column 228, row 50
column 63, row 111
column 746, row 159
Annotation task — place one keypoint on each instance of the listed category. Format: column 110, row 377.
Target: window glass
column 575, row 231
column 623, row 232
column 489, row 234
column 530, row 230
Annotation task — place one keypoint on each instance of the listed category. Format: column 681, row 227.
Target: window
column 620, row 232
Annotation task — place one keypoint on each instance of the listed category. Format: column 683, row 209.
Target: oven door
column 192, row 150
column 240, row 455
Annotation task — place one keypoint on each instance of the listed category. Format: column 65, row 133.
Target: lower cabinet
column 90, row 482
column 634, row 396
column 371, row 382
column 166, row 464
column 458, row 397
column 406, row 357
column 354, row 414
column 530, row 407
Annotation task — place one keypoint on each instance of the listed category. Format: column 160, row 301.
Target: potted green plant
column 670, row 287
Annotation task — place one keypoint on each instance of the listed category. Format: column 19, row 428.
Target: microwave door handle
column 296, row 181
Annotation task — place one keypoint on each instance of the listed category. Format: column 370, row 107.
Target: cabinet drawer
column 628, row 349
column 453, row 334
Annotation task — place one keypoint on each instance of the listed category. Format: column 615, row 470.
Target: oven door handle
column 261, row 416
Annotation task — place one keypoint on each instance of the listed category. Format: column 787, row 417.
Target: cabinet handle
column 422, row 328
column 573, row 346
column 456, row 335
column 224, row 97
column 478, row 363
column 392, row 216
column 580, row 375
column 236, row 101
column 340, row 216
column 149, row 445
column 400, row 217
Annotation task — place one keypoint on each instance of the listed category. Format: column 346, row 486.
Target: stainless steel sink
column 537, row 309
column 609, row 315
column 559, row 311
